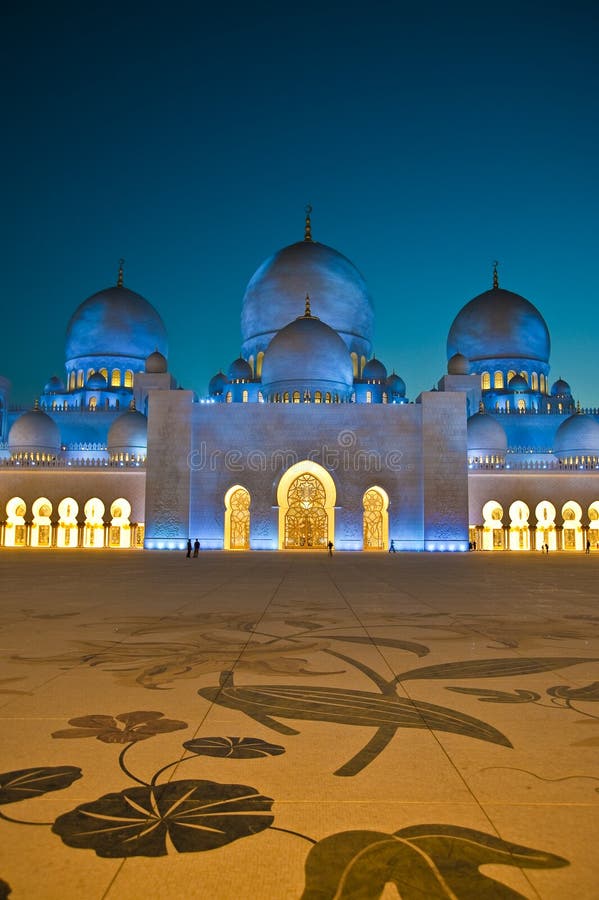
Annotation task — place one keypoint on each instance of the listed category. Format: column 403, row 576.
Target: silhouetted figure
column 330, row 546
column 588, row 547
column 196, row 547
column 188, row 548
column 470, row 545
column 474, row 545
column 392, row 547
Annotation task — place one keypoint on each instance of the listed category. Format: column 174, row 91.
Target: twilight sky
column 430, row 139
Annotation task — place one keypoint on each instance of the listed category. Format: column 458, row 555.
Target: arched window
column 93, row 402
column 507, row 405
column 485, row 381
column 521, row 405
column 260, row 397
column 354, row 362
column 296, row 396
column 524, row 376
column 543, row 383
column 560, row 407
column 369, row 396
column 251, row 364
column 259, row 359
column 498, row 380
column 80, row 378
column 534, row 381
column 286, row 397
column 237, row 518
column 115, row 378
column 327, row 397
column 362, row 363
column 229, row 397
column 90, row 372
column 245, row 397
column 128, row 378
column 72, row 378
column 385, row 398
column 317, row 397
column 510, row 375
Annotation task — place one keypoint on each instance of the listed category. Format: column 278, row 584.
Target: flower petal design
column 195, row 815
column 23, row 784
column 233, row 747
column 125, row 728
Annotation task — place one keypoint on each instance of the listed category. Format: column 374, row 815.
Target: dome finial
column 308, row 225
column 307, row 311
column 495, row 275
column 119, row 281
column 36, row 404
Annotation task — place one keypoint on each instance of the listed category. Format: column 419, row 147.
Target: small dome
column 310, row 354
column 374, row 370
column 34, row 431
column 560, row 388
column 272, row 296
column 129, row 433
column 156, row 363
column 458, row 365
column 96, row 382
column 217, row 384
column 499, row 324
column 54, row 386
column 518, row 383
column 396, row 385
column 577, row 436
column 115, row 322
column 240, row 369
column 485, row 436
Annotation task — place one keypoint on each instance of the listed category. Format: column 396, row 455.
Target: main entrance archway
column 306, row 497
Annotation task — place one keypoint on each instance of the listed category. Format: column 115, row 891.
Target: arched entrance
column 237, row 518
column 306, row 497
column 375, row 519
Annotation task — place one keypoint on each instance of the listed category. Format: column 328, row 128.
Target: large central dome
column 278, row 287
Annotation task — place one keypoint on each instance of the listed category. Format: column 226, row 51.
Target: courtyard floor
column 279, row 725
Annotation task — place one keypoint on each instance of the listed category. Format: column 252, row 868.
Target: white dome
column 129, row 433
column 577, row 436
column 34, row 431
column 485, row 436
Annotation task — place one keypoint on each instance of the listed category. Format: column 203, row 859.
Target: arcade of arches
column 93, row 527
column 567, row 527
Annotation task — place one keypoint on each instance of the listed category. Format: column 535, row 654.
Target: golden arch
column 41, row 527
column 237, row 518
column 306, row 497
column 16, row 530
column 375, row 503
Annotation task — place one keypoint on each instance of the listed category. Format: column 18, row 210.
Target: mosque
column 306, row 438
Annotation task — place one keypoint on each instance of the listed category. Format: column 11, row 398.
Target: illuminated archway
column 545, row 513
column 306, row 496
column 93, row 535
column 492, row 526
column 237, row 518
column 594, row 524
column 15, row 534
column 119, row 534
column 375, row 503
column 41, row 527
column 67, row 531
column 572, row 533
column 519, row 533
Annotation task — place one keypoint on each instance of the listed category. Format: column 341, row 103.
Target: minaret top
column 308, row 224
column 495, row 275
column 119, row 281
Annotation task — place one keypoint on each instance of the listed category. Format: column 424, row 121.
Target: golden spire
column 119, row 281
column 36, row 404
column 307, row 311
column 308, row 225
column 495, row 275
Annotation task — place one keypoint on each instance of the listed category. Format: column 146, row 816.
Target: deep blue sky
column 429, row 138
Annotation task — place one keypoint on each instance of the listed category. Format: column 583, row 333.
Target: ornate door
column 373, row 520
column 306, row 519
column 240, row 520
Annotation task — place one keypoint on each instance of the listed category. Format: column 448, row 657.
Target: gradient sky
column 430, row 138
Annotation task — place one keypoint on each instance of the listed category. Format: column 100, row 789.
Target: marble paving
column 279, row 725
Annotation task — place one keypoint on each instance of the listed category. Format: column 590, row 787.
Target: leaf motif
column 438, row 862
column 494, row 668
column 195, row 815
column 26, row 783
column 410, row 646
column 233, row 747
column 488, row 696
column 589, row 693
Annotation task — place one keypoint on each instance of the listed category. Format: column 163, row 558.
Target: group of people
column 196, row 547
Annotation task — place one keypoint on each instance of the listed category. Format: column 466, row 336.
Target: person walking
column 588, row 547
column 330, row 546
column 188, row 547
column 196, row 547
column 392, row 547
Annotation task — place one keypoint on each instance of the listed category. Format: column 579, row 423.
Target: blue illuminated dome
column 240, row 370
column 272, row 296
column 518, row 383
column 396, row 385
column 34, row 431
column 54, row 386
column 560, row 388
column 577, row 436
column 115, row 322
column 96, row 382
column 485, row 436
column 129, row 433
column 217, row 384
column 374, row 370
column 308, row 355
column 499, row 324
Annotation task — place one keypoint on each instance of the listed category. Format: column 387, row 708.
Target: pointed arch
column 237, row 518
column 375, row 519
column 306, row 497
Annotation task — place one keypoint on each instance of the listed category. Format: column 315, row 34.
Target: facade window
column 260, row 397
column 229, row 397
column 72, row 377
column 498, row 380
column 534, row 381
column 251, row 364
column 542, row 383
column 286, row 397
column 104, row 372
column 354, row 361
column 369, row 396
column 115, row 378
column 524, row 376
column 296, row 396
column 80, row 378
column 521, row 405
column 93, row 402
column 245, row 397
column 327, row 397
column 385, row 398
column 510, row 375
column 259, row 359
column 507, row 405
column 128, row 378
column 317, row 397
column 485, row 381
column 362, row 363
column 90, row 372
